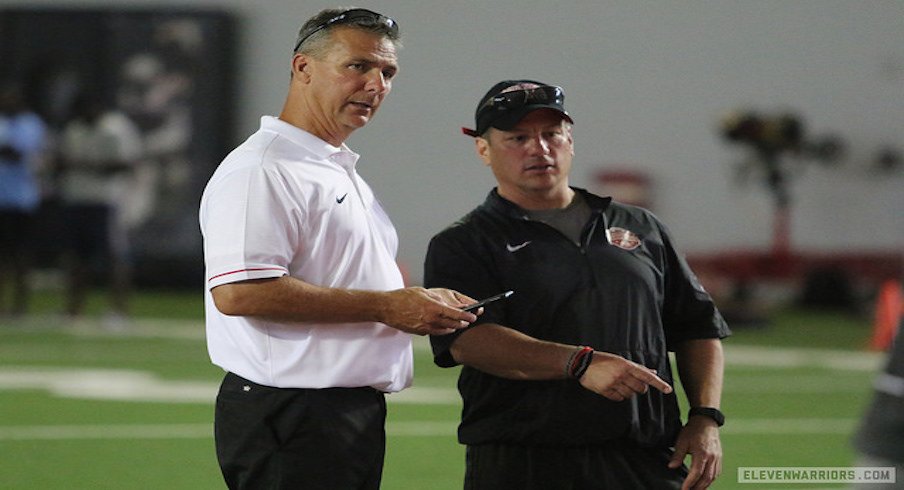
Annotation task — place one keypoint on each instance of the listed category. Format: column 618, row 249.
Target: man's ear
column 301, row 67
column 482, row 146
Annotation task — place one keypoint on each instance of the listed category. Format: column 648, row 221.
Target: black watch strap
column 713, row 413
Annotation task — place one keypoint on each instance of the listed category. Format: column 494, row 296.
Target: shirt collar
column 341, row 155
column 502, row 205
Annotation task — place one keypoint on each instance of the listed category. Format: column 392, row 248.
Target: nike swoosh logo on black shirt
column 515, row 248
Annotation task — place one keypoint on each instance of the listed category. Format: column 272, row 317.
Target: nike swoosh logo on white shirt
column 515, row 248
column 340, row 199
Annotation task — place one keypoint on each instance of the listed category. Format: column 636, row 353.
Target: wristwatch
column 713, row 413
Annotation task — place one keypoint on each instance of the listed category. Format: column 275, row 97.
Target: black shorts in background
column 15, row 231
column 88, row 231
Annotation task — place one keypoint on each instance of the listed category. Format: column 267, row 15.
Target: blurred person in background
column 22, row 142
column 98, row 151
column 568, row 383
column 156, row 89
column 306, row 308
column 880, row 438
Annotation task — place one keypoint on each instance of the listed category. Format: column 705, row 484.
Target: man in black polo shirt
column 880, row 438
column 556, row 380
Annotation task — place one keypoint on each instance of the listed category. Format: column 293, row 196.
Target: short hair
column 317, row 43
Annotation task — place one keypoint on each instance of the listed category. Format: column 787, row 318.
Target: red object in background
column 753, row 265
column 889, row 307
column 781, row 238
column 626, row 186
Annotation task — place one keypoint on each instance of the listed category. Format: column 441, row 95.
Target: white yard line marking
column 107, row 384
column 735, row 355
column 133, row 385
column 143, row 431
column 94, row 327
column 784, row 357
column 393, row 429
column 791, row 426
column 142, row 386
column 184, row 431
column 815, row 383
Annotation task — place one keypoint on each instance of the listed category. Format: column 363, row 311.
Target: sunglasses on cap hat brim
column 501, row 104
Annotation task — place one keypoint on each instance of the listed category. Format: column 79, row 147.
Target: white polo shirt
column 287, row 202
column 113, row 137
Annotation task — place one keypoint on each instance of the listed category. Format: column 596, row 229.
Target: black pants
column 88, row 233
column 616, row 466
column 275, row 438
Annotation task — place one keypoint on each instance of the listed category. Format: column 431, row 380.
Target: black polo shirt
column 623, row 290
column 881, row 432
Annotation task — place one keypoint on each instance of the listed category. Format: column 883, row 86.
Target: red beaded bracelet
column 580, row 361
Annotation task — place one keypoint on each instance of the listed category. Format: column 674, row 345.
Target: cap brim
column 511, row 118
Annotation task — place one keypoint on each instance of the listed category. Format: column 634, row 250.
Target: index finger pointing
column 653, row 380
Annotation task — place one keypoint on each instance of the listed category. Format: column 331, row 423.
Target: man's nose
column 377, row 82
column 539, row 144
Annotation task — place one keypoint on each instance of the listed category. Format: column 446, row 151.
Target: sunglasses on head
column 519, row 98
column 362, row 17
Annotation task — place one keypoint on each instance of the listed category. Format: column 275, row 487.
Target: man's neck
column 295, row 113
column 557, row 198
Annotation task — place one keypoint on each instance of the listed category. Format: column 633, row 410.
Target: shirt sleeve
column 457, row 265
column 32, row 135
column 688, row 310
column 251, row 227
column 127, row 139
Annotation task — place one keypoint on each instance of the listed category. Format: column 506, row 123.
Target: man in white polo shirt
column 306, row 308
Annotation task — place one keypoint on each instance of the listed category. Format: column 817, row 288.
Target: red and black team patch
column 623, row 238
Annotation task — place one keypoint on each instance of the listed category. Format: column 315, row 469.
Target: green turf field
column 82, row 407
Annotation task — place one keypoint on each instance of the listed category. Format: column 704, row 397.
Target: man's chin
column 358, row 120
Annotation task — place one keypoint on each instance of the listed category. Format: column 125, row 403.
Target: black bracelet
column 713, row 413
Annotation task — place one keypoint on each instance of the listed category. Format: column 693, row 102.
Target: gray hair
column 317, row 43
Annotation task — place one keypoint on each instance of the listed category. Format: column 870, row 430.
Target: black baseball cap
column 510, row 100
